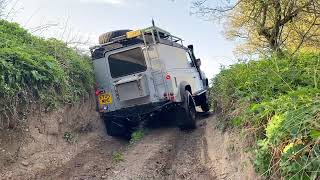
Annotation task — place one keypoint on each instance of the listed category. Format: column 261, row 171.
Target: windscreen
column 127, row 62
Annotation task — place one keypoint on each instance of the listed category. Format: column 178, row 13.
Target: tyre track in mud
column 95, row 159
column 190, row 160
column 168, row 154
column 163, row 154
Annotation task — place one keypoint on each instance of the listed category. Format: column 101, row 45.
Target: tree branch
column 303, row 37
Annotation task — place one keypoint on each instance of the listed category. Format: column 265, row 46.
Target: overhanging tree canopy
column 267, row 25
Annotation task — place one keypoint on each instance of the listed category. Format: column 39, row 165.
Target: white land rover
column 142, row 74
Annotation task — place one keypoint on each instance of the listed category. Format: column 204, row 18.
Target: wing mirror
column 198, row 61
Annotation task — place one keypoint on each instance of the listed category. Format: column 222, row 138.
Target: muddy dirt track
column 165, row 153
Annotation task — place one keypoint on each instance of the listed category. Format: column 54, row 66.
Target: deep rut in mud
column 96, row 159
column 190, row 158
column 173, row 154
column 164, row 153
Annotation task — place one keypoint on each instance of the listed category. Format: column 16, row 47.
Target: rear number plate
column 105, row 98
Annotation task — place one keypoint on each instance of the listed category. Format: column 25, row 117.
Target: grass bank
column 33, row 69
column 276, row 100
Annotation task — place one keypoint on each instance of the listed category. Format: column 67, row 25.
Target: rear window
column 127, row 62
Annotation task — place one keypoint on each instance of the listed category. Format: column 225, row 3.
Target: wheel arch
column 184, row 86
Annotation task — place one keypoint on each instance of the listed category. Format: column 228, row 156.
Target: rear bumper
column 139, row 112
column 126, row 120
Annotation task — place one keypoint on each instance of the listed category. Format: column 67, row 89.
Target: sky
column 85, row 20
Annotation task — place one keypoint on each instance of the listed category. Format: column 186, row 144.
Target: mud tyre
column 205, row 106
column 187, row 114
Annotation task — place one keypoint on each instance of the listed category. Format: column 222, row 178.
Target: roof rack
column 150, row 35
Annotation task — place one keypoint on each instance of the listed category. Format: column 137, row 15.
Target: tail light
column 168, row 77
column 169, row 96
column 98, row 92
column 172, row 97
column 97, row 89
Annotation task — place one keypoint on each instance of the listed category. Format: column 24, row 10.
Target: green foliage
column 117, row 157
column 289, row 134
column 136, row 136
column 281, row 100
column 315, row 134
column 263, row 158
column 43, row 70
column 237, row 121
column 69, row 137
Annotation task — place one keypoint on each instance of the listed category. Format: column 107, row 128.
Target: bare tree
column 3, row 4
column 274, row 24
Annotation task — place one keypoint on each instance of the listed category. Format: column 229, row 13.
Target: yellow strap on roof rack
column 133, row 34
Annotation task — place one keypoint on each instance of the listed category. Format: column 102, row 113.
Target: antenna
column 153, row 23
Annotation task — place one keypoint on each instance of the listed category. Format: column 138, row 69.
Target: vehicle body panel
column 168, row 67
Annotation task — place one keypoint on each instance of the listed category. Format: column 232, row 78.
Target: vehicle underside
column 125, row 121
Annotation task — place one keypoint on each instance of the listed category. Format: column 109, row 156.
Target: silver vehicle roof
column 145, row 36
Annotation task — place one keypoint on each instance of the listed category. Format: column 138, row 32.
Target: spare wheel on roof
column 106, row 37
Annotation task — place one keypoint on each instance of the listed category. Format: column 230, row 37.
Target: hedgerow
column 278, row 100
column 37, row 70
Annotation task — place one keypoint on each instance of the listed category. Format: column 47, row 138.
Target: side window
column 189, row 59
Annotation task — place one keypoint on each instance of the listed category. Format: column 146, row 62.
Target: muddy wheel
column 188, row 115
column 205, row 106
